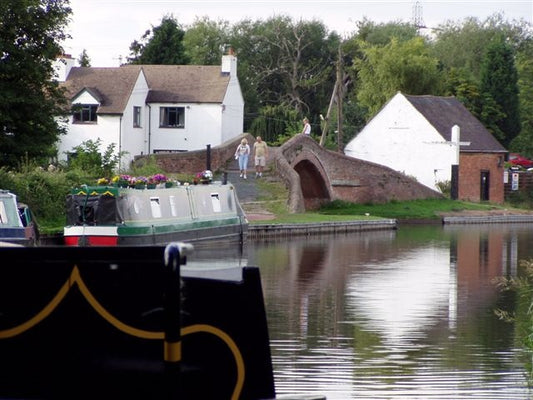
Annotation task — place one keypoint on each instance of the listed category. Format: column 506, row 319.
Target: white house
column 413, row 135
column 144, row 109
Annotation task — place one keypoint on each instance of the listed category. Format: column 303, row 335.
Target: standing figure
column 307, row 127
column 242, row 153
column 260, row 155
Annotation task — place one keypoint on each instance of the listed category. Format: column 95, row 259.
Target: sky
column 106, row 28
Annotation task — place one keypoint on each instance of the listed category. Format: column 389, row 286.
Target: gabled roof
column 113, row 86
column 166, row 83
column 445, row 112
column 93, row 92
column 185, row 83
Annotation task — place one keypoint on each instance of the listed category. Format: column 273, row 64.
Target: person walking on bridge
column 260, row 155
column 307, row 127
column 242, row 153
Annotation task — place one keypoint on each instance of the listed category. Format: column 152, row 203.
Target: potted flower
column 159, row 179
column 205, row 177
column 140, row 182
column 122, row 181
column 151, row 183
column 102, row 182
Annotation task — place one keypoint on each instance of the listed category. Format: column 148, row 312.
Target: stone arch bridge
column 313, row 174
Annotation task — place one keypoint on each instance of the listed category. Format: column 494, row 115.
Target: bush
column 87, row 157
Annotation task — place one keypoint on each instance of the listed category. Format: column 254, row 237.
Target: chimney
column 62, row 67
column 229, row 64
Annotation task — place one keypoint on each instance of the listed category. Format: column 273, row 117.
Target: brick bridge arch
column 315, row 176
column 312, row 174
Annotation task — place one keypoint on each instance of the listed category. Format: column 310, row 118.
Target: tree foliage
column 282, row 61
column 205, row 41
column 30, row 35
column 84, row 59
column 499, row 81
column 398, row 66
column 161, row 45
column 524, row 61
column 275, row 123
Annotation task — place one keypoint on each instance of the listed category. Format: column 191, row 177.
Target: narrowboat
column 113, row 215
column 17, row 225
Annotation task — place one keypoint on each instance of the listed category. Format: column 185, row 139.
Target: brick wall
column 326, row 175
column 470, row 167
column 192, row 162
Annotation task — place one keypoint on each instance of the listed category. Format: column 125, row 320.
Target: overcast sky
column 106, row 28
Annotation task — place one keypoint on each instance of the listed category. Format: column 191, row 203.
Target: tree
column 499, row 81
column 84, row 59
column 462, row 45
column 162, row 45
column 381, row 34
column 205, row 41
column 30, row 35
column 285, row 62
column 398, row 66
column 523, row 143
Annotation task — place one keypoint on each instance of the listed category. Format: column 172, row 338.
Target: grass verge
column 274, row 199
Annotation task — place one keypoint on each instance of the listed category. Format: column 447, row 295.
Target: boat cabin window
column 173, row 210
column 156, row 207
column 215, row 200
column 3, row 213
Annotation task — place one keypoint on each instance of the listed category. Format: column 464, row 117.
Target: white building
column 413, row 135
column 144, row 109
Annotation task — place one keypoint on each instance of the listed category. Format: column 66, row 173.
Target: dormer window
column 84, row 113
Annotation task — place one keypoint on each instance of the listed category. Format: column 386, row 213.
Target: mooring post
column 175, row 256
column 208, row 158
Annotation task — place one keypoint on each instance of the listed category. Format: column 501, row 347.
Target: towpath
column 248, row 192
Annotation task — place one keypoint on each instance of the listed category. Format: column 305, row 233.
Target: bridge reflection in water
column 394, row 314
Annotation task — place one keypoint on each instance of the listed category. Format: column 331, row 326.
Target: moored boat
column 112, row 215
column 16, row 221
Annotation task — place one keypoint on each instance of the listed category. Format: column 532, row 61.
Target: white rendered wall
column 106, row 129
column 202, row 127
column 399, row 137
column 134, row 140
column 232, row 111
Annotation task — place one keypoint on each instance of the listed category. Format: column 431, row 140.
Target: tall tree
column 30, row 35
column 399, row 66
column 462, row 44
column 205, row 41
column 499, row 80
column 161, row 45
column 523, row 143
column 282, row 61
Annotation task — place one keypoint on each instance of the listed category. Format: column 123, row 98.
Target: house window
column 172, row 117
column 84, row 113
column 136, row 117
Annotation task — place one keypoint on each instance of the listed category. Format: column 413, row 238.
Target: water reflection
column 392, row 314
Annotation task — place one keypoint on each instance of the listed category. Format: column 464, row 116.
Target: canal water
column 402, row 314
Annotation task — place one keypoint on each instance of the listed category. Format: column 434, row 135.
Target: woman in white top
column 242, row 153
column 307, row 127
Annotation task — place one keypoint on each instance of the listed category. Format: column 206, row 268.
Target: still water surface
column 405, row 314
